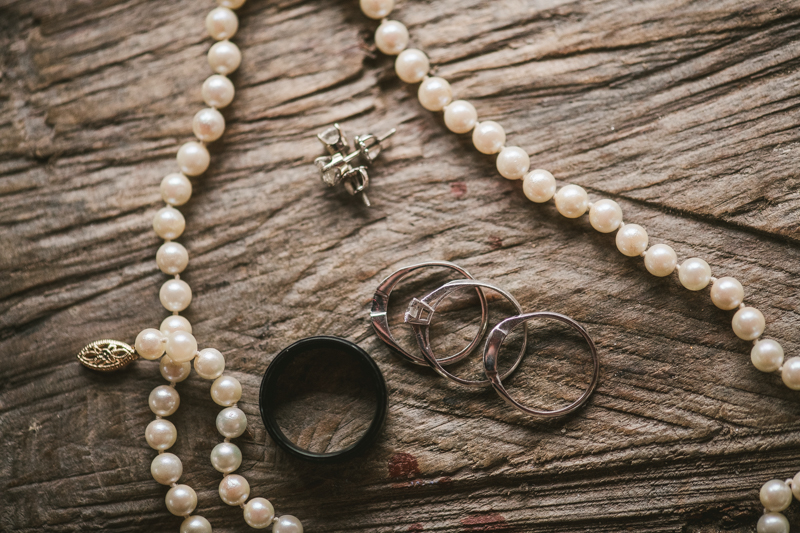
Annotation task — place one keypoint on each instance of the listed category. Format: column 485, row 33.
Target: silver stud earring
column 339, row 167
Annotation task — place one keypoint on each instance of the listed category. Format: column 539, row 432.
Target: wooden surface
column 685, row 112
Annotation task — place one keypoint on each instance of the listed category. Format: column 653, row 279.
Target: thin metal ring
column 380, row 306
column 420, row 314
column 495, row 341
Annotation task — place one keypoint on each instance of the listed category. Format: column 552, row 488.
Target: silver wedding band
column 492, row 349
column 420, row 315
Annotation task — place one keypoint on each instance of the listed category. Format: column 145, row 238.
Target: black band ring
column 271, row 384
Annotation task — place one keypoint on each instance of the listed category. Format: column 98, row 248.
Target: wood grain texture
column 685, row 112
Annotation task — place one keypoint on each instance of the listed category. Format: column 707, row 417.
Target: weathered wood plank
column 684, row 112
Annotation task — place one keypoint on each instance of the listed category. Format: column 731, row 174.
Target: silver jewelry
column 495, row 341
column 380, row 306
column 420, row 314
column 337, row 167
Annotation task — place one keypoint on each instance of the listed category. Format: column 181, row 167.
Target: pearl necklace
column 173, row 343
column 605, row 216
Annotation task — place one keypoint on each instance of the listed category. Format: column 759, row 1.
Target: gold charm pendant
column 107, row 355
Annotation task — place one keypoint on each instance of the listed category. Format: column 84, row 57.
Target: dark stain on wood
column 458, row 188
column 403, row 465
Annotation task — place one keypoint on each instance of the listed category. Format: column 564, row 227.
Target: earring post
column 387, row 135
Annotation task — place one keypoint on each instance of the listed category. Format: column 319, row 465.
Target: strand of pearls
column 776, row 495
column 173, row 343
column 605, row 216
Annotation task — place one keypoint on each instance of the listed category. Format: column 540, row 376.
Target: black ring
column 269, row 388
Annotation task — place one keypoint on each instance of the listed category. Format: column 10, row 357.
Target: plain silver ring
column 492, row 349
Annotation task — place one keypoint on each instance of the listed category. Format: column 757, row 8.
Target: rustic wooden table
column 684, row 112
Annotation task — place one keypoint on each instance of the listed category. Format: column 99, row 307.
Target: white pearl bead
column 224, row 57
column 193, row 158
column 226, row 391
column 166, row 468
column 572, row 201
column 172, row 258
column 176, row 189
column 210, row 363
column 175, row 295
column 149, row 344
column 748, row 323
column 234, row 489
column 434, row 93
column 172, row 371
column 694, row 274
column 460, row 116
column 258, row 513
column 222, row 23
column 226, row 457
column 181, row 346
column 768, row 523
column 412, row 65
column 208, row 125
column 632, row 240
column 160, row 434
column 539, row 186
column 790, row 373
column 175, row 323
column 489, row 137
column 232, row 4
column 231, row 422
column 169, row 223
column 513, row 163
column 195, row 524
column 660, row 260
column 767, row 355
column 391, row 37
column 605, row 216
column 164, row 400
column 727, row 293
column 287, row 524
column 377, row 9
column 796, row 486
column 218, row 91
column 775, row 495
column 181, row 500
